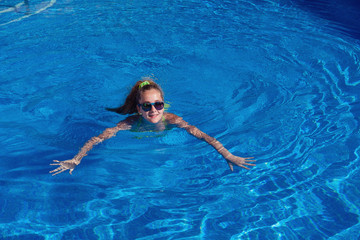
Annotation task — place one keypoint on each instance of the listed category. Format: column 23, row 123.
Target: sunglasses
column 147, row 106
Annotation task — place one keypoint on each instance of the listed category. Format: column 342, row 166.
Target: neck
column 149, row 126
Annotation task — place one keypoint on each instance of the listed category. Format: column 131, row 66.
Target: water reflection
column 21, row 10
column 16, row 8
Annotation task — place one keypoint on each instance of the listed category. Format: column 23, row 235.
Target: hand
column 64, row 165
column 232, row 159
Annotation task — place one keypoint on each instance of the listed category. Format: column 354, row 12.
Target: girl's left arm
column 230, row 158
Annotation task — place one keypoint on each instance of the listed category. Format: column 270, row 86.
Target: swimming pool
column 268, row 79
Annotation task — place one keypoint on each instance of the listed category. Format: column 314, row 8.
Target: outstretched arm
column 108, row 133
column 230, row 158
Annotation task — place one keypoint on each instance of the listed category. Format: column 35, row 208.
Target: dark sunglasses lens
column 146, row 107
column 159, row 105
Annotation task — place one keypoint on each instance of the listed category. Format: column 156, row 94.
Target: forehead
column 151, row 95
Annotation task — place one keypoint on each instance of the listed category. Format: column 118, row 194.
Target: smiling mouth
column 153, row 115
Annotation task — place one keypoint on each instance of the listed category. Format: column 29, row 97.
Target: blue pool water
column 277, row 80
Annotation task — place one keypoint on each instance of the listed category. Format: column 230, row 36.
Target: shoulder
column 128, row 122
column 174, row 119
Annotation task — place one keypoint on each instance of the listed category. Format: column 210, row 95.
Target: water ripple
column 266, row 79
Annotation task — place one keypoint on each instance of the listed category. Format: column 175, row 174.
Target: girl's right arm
column 108, row 133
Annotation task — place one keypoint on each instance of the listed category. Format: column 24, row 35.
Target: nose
column 153, row 108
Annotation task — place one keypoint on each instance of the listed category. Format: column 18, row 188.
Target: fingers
column 59, row 172
column 245, row 161
column 57, row 162
column 55, row 170
column 249, row 164
column 230, row 166
column 244, row 167
column 64, row 165
column 248, row 159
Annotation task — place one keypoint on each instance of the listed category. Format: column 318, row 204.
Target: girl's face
column 151, row 96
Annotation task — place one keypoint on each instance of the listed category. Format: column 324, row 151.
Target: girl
column 146, row 100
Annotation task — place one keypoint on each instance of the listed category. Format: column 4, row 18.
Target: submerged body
column 147, row 99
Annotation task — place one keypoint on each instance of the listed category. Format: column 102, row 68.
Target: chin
column 154, row 120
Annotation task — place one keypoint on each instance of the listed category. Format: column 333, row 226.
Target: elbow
column 108, row 133
column 97, row 139
column 191, row 130
column 195, row 132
